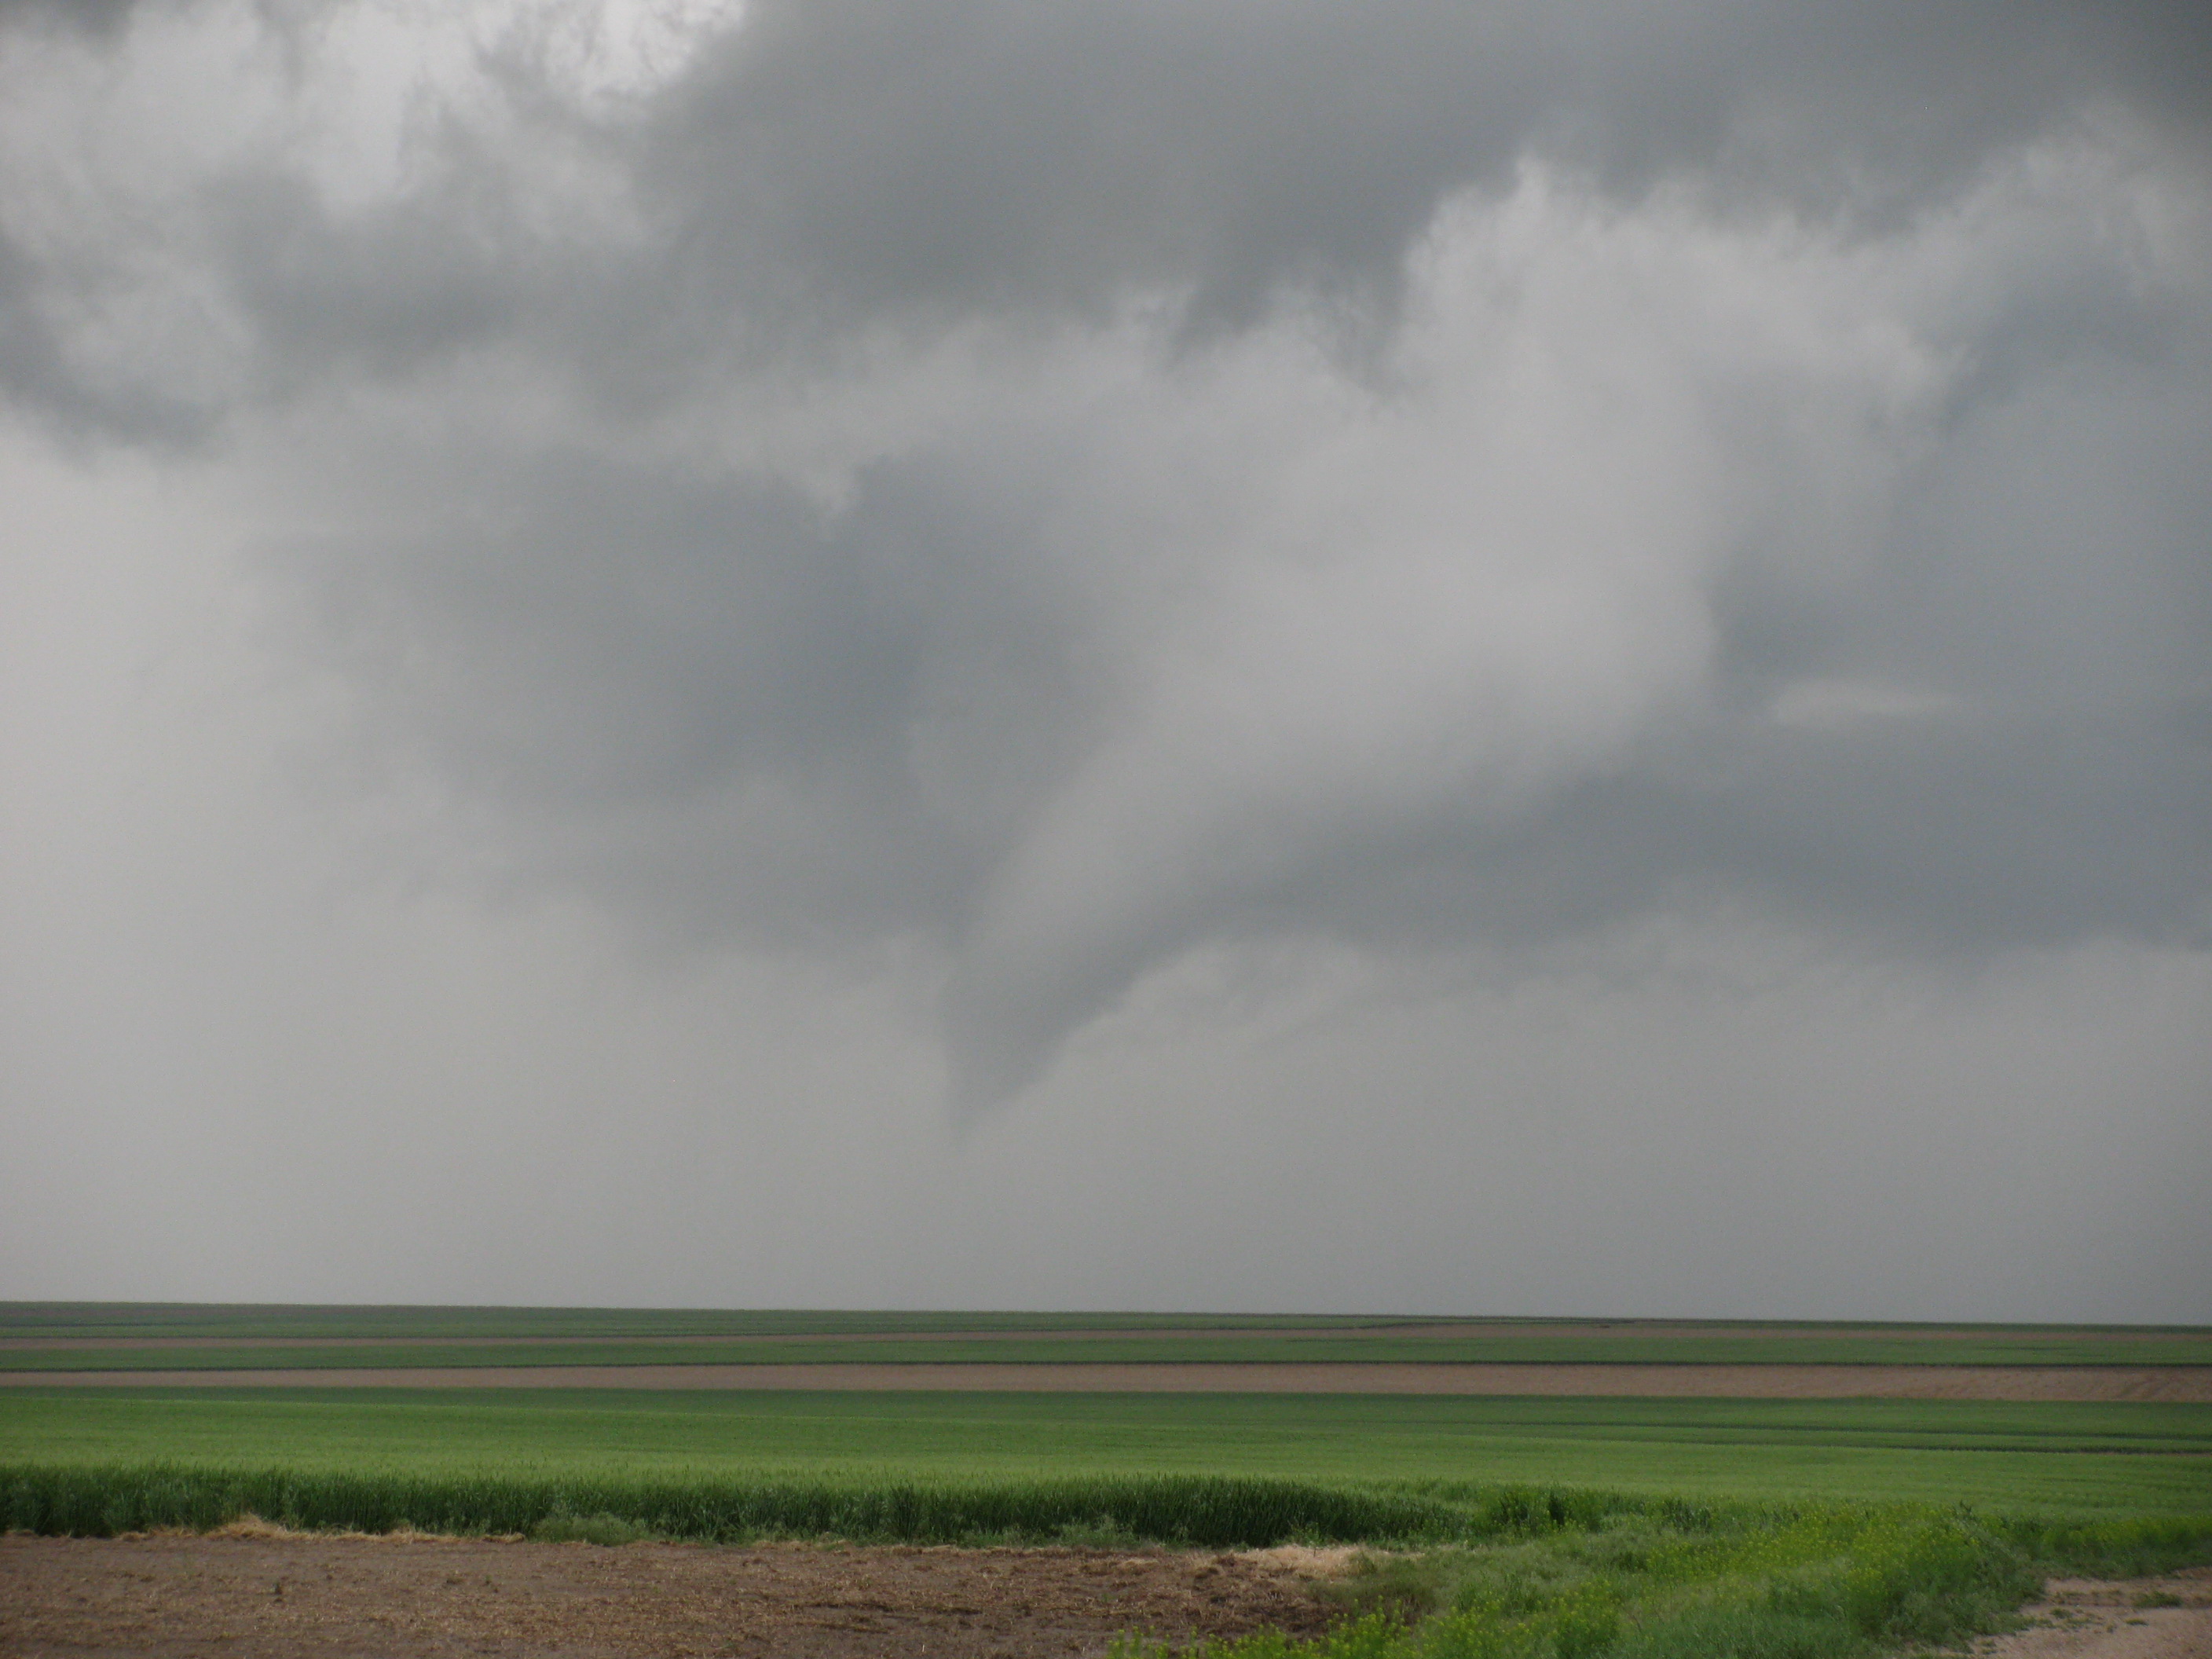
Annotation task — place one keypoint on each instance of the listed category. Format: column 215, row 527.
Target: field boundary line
column 2180, row 1384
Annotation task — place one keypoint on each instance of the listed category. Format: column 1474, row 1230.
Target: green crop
column 2065, row 1460
column 1500, row 1528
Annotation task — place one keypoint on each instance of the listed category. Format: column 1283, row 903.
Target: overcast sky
column 1179, row 654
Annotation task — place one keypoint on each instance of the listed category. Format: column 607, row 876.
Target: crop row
column 1212, row 1511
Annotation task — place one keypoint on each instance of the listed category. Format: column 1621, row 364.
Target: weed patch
column 1803, row 1583
column 600, row 1528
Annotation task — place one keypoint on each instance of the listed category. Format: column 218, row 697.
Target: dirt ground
column 272, row 1595
column 2090, row 1619
column 1765, row 1381
column 290, row 1597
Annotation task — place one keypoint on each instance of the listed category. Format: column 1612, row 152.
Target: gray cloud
column 88, row 16
column 823, row 165
column 1070, row 486
column 962, row 154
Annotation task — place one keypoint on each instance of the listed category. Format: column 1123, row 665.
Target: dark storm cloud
column 824, row 163
column 87, row 17
column 987, row 152
column 36, row 373
column 610, row 643
column 1076, row 484
column 381, row 292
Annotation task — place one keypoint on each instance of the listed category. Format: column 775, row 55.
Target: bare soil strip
column 274, row 1597
column 260, row 1594
column 2176, row 1383
column 2092, row 1618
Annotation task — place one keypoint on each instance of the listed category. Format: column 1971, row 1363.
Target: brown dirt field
column 2182, row 1383
column 2093, row 1619
column 260, row 1594
column 282, row 1596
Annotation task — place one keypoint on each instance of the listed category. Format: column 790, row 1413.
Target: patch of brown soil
column 2187, row 1384
column 274, row 1595
column 2097, row 1619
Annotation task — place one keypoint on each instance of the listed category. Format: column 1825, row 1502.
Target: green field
column 2106, row 1459
column 1534, row 1527
column 94, row 1337
column 1259, row 1349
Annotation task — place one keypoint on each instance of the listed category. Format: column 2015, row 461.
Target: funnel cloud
column 612, row 597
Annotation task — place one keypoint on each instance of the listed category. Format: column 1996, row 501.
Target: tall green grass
column 1213, row 1511
column 1811, row 1583
column 1210, row 1510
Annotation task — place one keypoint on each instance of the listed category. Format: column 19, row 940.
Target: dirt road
column 286, row 1597
column 2189, row 1383
column 2088, row 1618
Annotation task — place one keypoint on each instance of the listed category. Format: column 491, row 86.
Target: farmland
column 1526, row 1513
column 2114, row 1459
column 91, row 1337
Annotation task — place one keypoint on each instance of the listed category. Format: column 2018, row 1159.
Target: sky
column 1223, row 654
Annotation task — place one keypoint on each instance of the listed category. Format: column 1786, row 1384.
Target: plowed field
column 292, row 1597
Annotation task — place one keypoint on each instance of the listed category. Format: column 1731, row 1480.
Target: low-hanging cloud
column 1074, row 485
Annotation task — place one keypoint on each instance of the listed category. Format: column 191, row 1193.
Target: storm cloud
column 1062, row 493
column 1080, row 483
